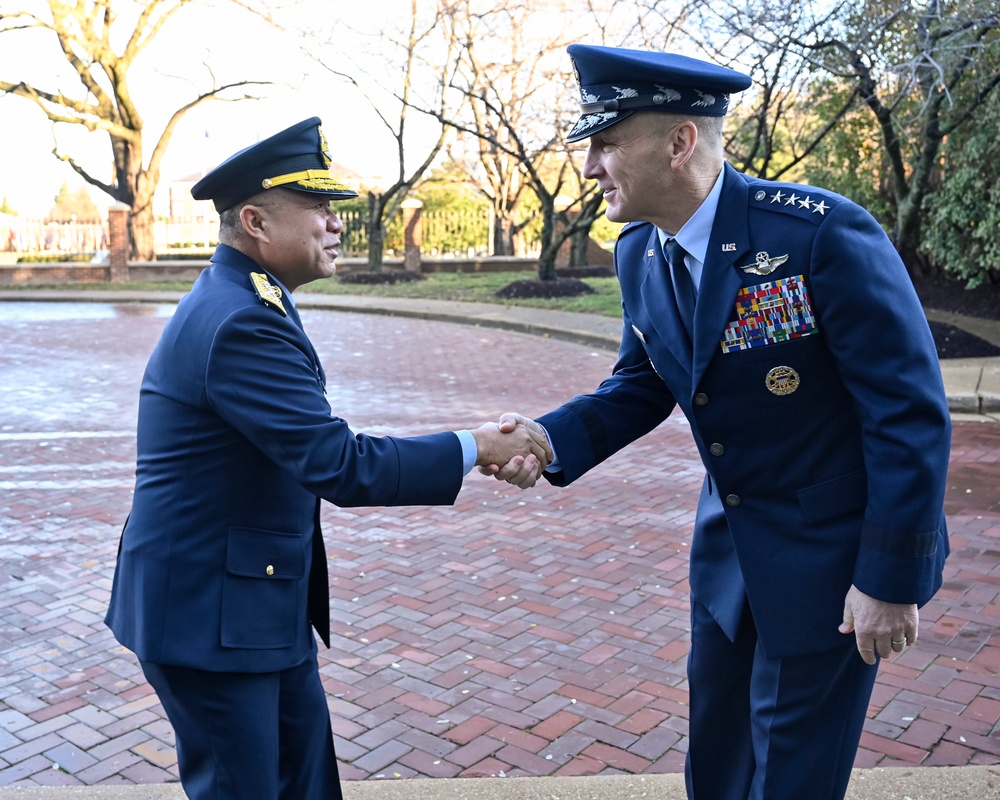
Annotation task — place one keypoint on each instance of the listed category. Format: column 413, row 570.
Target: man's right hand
column 507, row 442
column 521, row 472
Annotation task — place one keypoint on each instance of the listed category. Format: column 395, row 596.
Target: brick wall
column 39, row 274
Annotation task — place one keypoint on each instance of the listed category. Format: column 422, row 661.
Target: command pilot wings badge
column 269, row 294
column 764, row 264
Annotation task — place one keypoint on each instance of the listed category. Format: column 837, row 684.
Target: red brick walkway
column 520, row 633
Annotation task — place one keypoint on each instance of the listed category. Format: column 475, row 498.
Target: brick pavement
column 532, row 633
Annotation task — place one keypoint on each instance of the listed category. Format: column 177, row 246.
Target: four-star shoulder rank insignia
column 764, row 264
column 269, row 294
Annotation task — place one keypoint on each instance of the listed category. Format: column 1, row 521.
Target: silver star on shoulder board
column 764, row 264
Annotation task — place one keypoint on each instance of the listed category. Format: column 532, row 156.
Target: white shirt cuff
column 470, row 451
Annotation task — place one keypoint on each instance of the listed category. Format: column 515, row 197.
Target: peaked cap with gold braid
column 296, row 158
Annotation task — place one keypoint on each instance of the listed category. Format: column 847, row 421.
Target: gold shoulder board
column 269, row 294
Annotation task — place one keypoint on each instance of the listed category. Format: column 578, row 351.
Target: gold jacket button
column 269, row 570
column 732, row 499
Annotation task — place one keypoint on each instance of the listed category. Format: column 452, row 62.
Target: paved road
column 518, row 634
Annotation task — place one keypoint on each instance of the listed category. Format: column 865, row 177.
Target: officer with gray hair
column 781, row 321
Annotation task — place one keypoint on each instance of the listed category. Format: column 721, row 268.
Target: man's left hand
column 878, row 627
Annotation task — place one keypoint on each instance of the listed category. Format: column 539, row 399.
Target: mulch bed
column 560, row 287
column 940, row 293
column 944, row 294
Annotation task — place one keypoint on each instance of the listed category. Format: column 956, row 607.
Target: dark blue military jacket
column 236, row 443
column 814, row 395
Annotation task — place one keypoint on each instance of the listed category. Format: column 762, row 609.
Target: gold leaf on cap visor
column 307, row 179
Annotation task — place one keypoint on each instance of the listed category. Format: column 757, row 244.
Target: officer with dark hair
column 221, row 573
column 782, row 322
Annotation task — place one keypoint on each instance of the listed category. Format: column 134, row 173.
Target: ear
column 254, row 221
column 683, row 139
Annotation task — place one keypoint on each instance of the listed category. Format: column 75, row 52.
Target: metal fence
column 443, row 234
column 19, row 235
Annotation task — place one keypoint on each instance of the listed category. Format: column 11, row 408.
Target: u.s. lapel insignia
column 640, row 334
column 764, row 264
column 650, row 253
column 782, row 381
column 269, row 294
column 729, row 247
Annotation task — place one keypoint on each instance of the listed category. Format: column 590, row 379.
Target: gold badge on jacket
column 269, row 294
column 782, row 380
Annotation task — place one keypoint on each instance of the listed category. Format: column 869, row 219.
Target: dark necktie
column 680, row 276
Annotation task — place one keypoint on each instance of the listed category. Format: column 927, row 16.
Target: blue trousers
column 250, row 736
column 771, row 729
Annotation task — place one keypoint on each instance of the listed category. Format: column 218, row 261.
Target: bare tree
column 945, row 80
column 516, row 86
column 771, row 132
column 923, row 70
column 425, row 52
column 84, row 33
column 506, row 85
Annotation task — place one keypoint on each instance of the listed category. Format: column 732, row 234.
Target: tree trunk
column 906, row 238
column 547, row 258
column 503, row 236
column 140, row 225
column 376, row 232
column 579, row 245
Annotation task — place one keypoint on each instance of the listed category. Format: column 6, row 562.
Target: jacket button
column 716, row 449
column 732, row 499
column 269, row 570
column 701, row 399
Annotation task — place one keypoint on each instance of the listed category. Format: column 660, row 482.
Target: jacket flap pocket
column 265, row 554
column 834, row 497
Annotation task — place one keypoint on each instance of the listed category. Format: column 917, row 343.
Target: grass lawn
column 477, row 287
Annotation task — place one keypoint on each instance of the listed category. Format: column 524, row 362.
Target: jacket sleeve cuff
column 900, row 567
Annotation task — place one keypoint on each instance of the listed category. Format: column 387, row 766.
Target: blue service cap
column 296, row 158
column 615, row 82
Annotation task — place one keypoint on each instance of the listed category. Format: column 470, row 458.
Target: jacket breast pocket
column 262, row 588
column 778, row 351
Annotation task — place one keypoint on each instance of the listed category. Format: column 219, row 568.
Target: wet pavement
column 517, row 634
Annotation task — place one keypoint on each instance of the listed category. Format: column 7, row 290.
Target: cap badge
column 707, row 100
column 269, row 294
column 664, row 94
column 324, row 148
column 782, row 381
column 764, row 264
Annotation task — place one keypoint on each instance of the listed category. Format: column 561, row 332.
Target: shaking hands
column 515, row 450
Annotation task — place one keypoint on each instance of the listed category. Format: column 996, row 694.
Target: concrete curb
column 901, row 783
